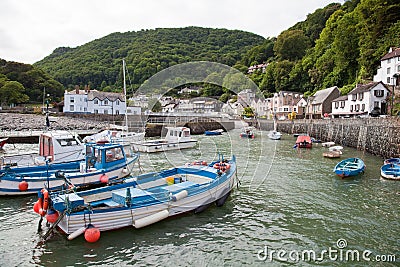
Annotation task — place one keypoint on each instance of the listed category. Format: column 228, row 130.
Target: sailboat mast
column 126, row 102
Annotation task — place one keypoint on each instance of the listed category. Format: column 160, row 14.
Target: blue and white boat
column 349, row 167
column 392, row 161
column 214, row 132
column 143, row 200
column 391, row 171
column 103, row 163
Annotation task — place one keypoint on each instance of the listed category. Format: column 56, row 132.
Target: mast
column 126, row 102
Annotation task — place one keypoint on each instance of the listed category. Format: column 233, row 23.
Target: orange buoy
column 104, row 178
column 37, row 206
column 92, row 234
column 52, row 216
column 44, row 205
column 23, row 186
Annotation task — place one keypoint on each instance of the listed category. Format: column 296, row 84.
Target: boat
column 140, row 200
column 336, row 148
column 274, row 135
column 3, row 141
column 54, row 146
column 176, row 138
column 214, row 132
column 328, row 144
column 103, row 163
column 247, row 132
column 391, row 171
column 115, row 136
column 332, row 154
column 349, row 167
column 303, row 141
column 392, row 160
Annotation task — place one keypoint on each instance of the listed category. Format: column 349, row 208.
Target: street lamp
column 395, row 79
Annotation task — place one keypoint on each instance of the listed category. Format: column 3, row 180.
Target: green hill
column 99, row 63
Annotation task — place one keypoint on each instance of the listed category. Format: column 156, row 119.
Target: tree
column 248, row 112
column 291, row 45
column 12, row 92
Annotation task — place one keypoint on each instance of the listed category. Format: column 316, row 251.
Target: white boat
column 336, row 148
column 274, row 135
column 103, row 163
column 328, row 144
column 3, row 141
column 247, row 132
column 141, row 200
column 54, row 146
column 176, row 138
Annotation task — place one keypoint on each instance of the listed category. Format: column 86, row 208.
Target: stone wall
column 378, row 136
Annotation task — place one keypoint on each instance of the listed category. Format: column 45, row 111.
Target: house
column 390, row 66
column 232, row 109
column 93, row 102
column 188, row 90
column 258, row 67
column 198, row 105
column 320, row 105
column 262, row 107
column 362, row 100
column 301, row 107
column 285, row 102
column 245, row 97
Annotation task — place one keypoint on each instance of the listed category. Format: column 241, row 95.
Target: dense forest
column 336, row 45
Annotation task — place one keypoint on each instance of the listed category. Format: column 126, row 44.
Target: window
column 354, row 97
column 389, row 60
column 398, row 58
column 285, row 109
column 105, row 102
column 96, row 102
column 376, row 104
column 362, row 107
column 388, row 70
column 117, row 102
column 342, row 104
column 351, row 107
column 72, row 100
column 117, row 112
column 96, row 111
column 105, row 111
column 388, row 80
column 71, row 108
column 378, row 93
column 336, row 105
column 358, row 107
column 360, row 96
column 398, row 68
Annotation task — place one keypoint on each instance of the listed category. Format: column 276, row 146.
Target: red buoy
column 92, row 234
column 36, row 207
column 104, row 178
column 23, row 186
column 51, row 216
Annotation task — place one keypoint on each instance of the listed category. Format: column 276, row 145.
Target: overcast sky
column 31, row 29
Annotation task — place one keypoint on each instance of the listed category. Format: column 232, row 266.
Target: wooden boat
column 247, row 132
column 391, row 171
column 328, row 144
column 176, row 138
column 54, row 146
column 103, row 163
column 214, row 132
column 332, row 154
column 303, row 141
column 274, row 135
column 349, row 167
column 3, row 141
column 141, row 200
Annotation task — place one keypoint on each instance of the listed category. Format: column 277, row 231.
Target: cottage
column 390, row 66
column 321, row 102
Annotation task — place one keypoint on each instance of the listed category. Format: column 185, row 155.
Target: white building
column 390, row 65
column 362, row 100
column 94, row 102
column 245, row 97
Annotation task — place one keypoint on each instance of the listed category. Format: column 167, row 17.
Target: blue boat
column 103, row 163
column 392, row 161
column 141, row 200
column 349, row 167
column 214, row 132
column 391, row 171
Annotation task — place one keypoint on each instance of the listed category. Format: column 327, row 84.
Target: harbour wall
column 378, row 136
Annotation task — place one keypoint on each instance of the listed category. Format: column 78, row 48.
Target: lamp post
column 395, row 79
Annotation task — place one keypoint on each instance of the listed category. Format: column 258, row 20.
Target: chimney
column 77, row 89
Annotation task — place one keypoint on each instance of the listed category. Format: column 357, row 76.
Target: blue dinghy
column 349, row 167
column 391, row 171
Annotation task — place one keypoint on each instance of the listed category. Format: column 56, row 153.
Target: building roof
column 321, row 95
column 341, row 98
column 105, row 95
column 364, row 87
column 393, row 52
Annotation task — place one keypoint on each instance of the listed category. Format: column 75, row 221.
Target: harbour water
column 289, row 201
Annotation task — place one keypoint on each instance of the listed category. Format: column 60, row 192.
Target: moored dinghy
column 144, row 199
column 391, row 171
column 349, row 167
column 103, row 163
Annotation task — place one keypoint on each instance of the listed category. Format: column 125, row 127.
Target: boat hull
column 391, row 171
column 160, row 146
column 349, row 167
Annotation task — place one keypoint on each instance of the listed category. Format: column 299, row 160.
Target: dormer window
column 378, row 93
column 360, row 96
column 354, row 97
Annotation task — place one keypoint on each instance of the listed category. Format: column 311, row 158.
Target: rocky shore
column 26, row 122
